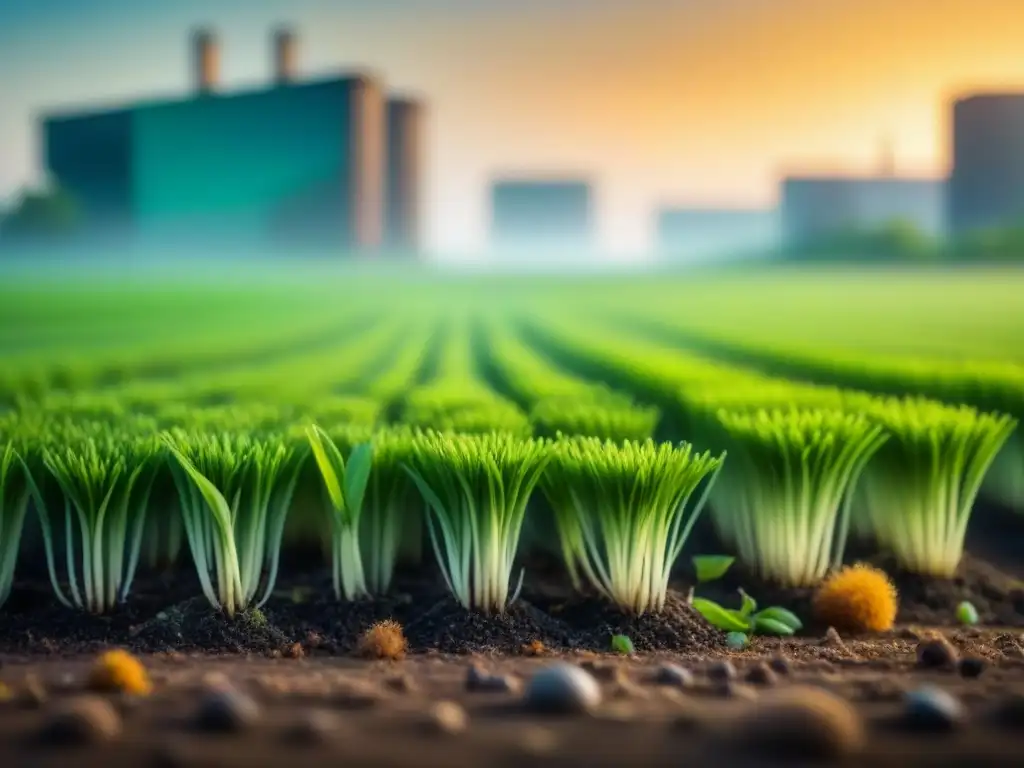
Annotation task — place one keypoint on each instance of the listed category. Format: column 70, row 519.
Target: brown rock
column 82, row 720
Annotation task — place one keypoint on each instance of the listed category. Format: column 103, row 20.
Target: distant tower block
column 205, row 60
column 404, row 174
column 367, row 160
column 286, row 55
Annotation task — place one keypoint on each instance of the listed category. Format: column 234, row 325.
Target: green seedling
column 746, row 619
column 622, row 645
column 966, row 613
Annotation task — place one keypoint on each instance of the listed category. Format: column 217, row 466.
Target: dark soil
column 450, row 628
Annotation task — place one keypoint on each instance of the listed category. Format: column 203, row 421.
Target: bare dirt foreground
column 429, row 709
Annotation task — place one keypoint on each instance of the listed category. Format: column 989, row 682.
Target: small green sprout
column 737, row 641
column 769, row 621
column 966, row 613
column 711, row 567
column 622, row 645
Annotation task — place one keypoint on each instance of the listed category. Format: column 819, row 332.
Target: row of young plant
column 81, row 365
column 809, row 463
column 558, row 402
column 987, row 386
column 623, row 509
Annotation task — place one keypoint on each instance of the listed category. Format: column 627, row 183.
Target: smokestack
column 205, row 60
column 285, row 55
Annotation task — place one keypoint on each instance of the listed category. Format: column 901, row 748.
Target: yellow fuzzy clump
column 857, row 599
column 119, row 671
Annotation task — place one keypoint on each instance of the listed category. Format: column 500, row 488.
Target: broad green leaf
column 711, row 567
column 749, row 604
column 720, row 617
column 782, row 616
column 765, row 626
column 357, row 475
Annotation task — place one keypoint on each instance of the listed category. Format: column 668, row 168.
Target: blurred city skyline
column 658, row 102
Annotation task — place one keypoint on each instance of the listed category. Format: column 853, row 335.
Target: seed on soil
column 481, row 681
column 562, row 689
column 447, row 717
column 82, row 720
column 673, row 674
column 972, row 667
column 802, row 723
column 761, row 674
column 932, row 710
column 226, row 710
column 119, row 671
column 937, row 653
column 721, row 671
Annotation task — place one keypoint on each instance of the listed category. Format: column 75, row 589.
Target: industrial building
column 685, row 233
column 403, row 206
column 814, row 207
column 986, row 183
column 542, row 215
column 296, row 163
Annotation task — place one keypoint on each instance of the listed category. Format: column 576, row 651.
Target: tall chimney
column 285, row 55
column 205, row 60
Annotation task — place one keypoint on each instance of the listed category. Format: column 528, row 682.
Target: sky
column 658, row 102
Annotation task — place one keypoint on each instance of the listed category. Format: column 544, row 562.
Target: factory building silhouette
column 327, row 163
column 986, row 182
column 542, row 215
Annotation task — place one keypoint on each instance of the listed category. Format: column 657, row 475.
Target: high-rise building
column 814, row 207
column 986, row 183
column 403, row 206
column 542, row 215
column 294, row 163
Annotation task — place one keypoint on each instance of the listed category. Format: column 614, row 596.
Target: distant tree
column 895, row 241
column 995, row 244
column 40, row 215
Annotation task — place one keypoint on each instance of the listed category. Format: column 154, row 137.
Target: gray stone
column 675, row 675
column 562, row 689
column 226, row 710
column 933, row 710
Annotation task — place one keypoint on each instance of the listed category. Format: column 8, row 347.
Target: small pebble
column 673, row 674
column 936, row 653
column 730, row 689
column 82, row 720
column 761, row 674
column 802, row 723
column 447, row 717
column 226, row 710
column 564, row 689
column 484, row 682
column 972, row 667
column 317, row 726
column 780, row 665
column 721, row 671
column 932, row 710
column 602, row 671
column 401, row 683
column 832, row 639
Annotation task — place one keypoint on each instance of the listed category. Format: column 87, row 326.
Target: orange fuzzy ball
column 384, row 640
column 856, row 599
column 119, row 671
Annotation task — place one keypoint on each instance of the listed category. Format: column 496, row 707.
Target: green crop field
column 214, row 422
